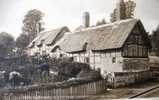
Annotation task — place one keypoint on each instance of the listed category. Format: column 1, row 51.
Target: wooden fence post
column 86, row 89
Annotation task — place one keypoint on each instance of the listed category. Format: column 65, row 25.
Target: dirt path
column 127, row 91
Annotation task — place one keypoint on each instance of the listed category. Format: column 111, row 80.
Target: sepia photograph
column 79, row 50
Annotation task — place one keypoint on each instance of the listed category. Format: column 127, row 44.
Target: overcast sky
column 69, row 12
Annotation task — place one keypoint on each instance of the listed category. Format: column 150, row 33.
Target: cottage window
column 114, row 60
column 61, row 55
column 86, row 60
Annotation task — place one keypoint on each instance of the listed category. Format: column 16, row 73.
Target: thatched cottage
column 120, row 48
column 116, row 47
column 44, row 41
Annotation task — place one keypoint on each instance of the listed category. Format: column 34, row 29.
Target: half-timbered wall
column 107, row 61
column 33, row 51
column 83, row 57
column 135, row 45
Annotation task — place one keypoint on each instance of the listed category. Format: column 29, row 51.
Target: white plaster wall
column 101, row 60
column 106, row 64
column 44, row 49
column 79, row 57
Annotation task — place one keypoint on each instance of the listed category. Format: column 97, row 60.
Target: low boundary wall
column 122, row 79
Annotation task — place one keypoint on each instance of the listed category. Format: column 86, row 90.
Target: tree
column 101, row 22
column 127, row 8
column 155, row 41
column 22, row 42
column 7, row 44
column 130, row 7
column 113, row 16
column 32, row 23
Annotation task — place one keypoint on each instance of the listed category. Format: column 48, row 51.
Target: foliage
column 32, row 23
column 155, row 41
column 101, row 22
column 7, row 44
column 22, row 42
column 128, row 11
column 54, row 70
column 130, row 7
column 113, row 16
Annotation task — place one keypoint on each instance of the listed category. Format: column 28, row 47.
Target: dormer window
column 40, row 43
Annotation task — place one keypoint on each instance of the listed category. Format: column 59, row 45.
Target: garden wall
column 126, row 78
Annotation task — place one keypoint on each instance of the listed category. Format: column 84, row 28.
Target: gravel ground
column 154, row 93
column 126, row 92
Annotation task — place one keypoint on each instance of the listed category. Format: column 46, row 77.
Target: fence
column 52, row 93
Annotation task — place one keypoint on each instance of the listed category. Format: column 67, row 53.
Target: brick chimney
column 121, row 7
column 86, row 19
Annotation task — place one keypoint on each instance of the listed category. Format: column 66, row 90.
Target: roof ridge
column 108, row 36
column 53, row 29
column 104, row 25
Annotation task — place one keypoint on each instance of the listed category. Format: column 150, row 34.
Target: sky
column 69, row 13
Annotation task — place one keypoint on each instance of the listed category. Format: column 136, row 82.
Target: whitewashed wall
column 101, row 60
column 104, row 61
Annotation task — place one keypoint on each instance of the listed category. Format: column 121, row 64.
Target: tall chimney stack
column 86, row 19
column 121, row 14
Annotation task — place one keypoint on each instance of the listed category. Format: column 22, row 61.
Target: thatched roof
column 74, row 42
column 48, row 37
column 108, row 36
